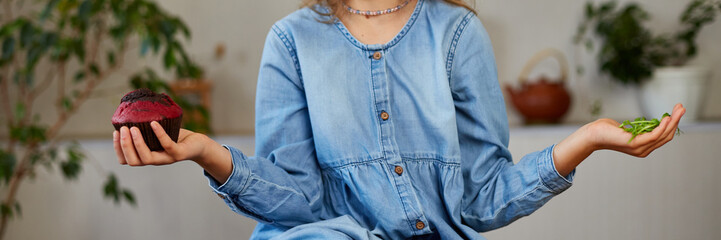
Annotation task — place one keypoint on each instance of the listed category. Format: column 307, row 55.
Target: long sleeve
column 496, row 191
column 281, row 185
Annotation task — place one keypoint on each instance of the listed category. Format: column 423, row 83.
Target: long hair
column 335, row 7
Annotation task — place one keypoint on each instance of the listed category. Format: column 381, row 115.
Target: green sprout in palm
column 641, row 125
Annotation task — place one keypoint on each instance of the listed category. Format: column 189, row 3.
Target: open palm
column 609, row 136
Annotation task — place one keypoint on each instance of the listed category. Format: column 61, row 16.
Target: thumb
column 171, row 147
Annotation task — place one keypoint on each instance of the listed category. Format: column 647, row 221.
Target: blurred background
column 207, row 53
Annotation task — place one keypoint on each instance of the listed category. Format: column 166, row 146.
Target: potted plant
column 70, row 47
column 631, row 54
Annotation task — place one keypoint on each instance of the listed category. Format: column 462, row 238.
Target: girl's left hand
column 605, row 134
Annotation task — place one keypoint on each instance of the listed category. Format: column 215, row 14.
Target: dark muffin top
column 143, row 105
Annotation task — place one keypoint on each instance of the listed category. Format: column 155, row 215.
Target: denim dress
column 406, row 139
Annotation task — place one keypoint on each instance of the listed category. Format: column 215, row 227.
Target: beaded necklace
column 368, row 13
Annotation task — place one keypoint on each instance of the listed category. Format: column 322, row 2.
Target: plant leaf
column 47, row 11
column 169, row 58
column 26, row 34
column 129, row 197
column 8, row 48
column 18, row 209
column 144, row 46
column 67, row 104
column 72, row 167
column 6, row 211
column 19, row 111
column 110, row 188
column 84, row 13
column 94, row 69
column 111, row 58
column 7, row 166
column 79, row 76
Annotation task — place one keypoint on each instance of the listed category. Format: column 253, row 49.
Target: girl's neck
column 376, row 29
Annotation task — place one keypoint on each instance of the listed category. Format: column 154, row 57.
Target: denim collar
column 374, row 47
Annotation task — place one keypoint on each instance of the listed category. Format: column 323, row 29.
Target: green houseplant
column 72, row 46
column 631, row 54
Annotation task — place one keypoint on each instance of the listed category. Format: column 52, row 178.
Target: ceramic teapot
column 544, row 100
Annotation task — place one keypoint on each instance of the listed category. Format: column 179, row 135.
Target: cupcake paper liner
column 171, row 126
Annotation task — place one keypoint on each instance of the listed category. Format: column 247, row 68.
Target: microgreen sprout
column 641, row 125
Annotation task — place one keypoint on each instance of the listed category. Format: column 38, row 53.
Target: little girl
column 383, row 119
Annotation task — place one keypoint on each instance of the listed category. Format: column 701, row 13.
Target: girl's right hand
column 131, row 149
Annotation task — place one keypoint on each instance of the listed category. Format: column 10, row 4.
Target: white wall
column 517, row 28
column 673, row 194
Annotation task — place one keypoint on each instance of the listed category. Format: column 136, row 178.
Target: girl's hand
column 131, row 149
column 607, row 135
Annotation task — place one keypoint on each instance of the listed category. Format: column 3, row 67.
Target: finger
column 126, row 143
column 140, row 147
column 673, row 123
column 668, row 122
column 658, row 144
column 668, row 136
column 649, row 139
column 165, row 141
column 677, row 106
column 674, row 120
column 118, row 150
column 679, row 111
column 670, row 131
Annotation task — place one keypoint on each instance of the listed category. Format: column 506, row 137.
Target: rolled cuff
column 238, row 179
column 550, row 176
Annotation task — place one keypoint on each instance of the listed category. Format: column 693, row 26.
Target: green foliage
column 28, row 134
column 7, row 211
column 7, row 166
column 113, row 191
column 19, row 111
column 641, row 125
column 629, row 52
column 41, row 41
column 72, row 166
column 18, row 209
column 73, row 25
column 66, row 31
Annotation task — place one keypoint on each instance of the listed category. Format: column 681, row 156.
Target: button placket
column 381, row 97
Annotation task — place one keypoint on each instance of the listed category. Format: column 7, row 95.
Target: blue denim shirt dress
column 406, row 139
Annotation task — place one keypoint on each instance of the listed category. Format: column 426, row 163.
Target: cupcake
column 140, row 107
